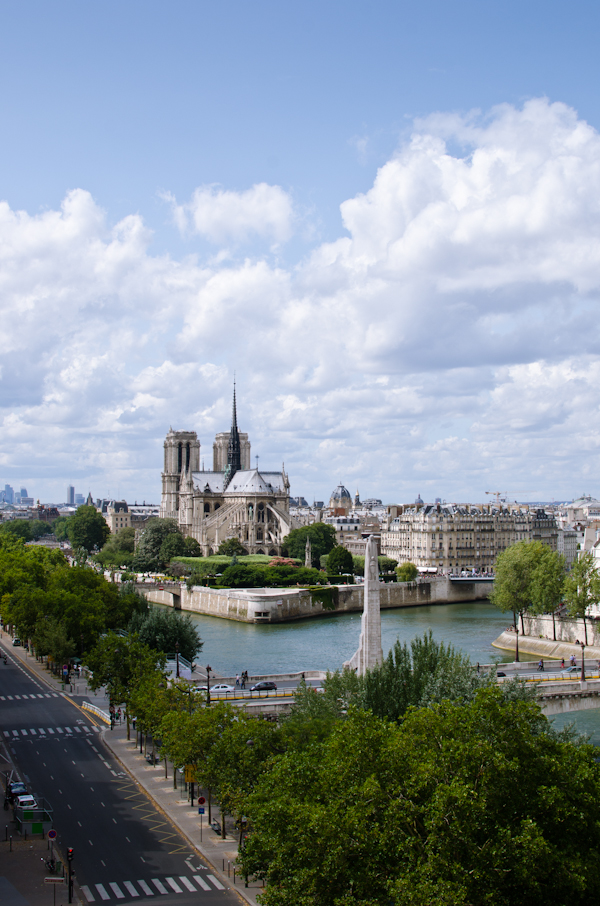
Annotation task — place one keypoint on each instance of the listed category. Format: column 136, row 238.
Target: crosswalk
column 156, row 886
column 51, row 732
column 16, row 698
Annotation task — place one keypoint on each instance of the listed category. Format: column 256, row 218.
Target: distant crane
column 500, row 497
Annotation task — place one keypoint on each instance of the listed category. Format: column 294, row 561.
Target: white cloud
column 223, row 216
column 449, row 342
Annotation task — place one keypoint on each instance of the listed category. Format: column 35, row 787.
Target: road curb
column 201, row 853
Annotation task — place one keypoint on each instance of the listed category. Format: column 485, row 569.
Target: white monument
column 308, row 554
column 369, row 650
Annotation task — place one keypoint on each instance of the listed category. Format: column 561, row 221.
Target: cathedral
column 232, row 501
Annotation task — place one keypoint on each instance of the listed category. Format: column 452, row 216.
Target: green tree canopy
column 515, row 566
column 548, row 584
column 339, row 561
column 118, row 550
column 87, row 529
column 582, row 588
column 18, row 528
column 322, row 541
column 232, row 547
column 407, row 572
column 456, row 805
column 161, row 629
column 192, row 548
column 148, row 556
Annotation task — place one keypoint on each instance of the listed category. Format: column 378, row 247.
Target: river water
column 324, row 643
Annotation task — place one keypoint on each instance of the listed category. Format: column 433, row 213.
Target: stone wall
column 270, row 605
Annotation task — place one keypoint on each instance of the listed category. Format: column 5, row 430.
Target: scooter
column 49, row 863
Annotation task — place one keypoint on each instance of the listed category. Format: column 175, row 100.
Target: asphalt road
column 124, row 849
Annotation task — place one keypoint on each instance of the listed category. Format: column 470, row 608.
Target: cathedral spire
column 234, row 454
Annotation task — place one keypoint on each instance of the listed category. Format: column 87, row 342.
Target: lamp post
column 517, row 645
column 208, row 669
column 582, row 663
column 177, row 659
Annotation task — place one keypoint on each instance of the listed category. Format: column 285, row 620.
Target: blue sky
column 386, row 343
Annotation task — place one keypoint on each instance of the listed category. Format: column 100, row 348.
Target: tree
column 60, row 527
column 192, row 548
column 582, row 588
column 118, row 550
column 172, row 546
column 18, row 528
column 162, row 629
column 148, row 555
column 430, row 811
column 232, row 547
column 39, row 528
column 339, row 561
column 121, row 664
column 513, row 582
column 547, row 584
column 87, row 529
column 407, row 572
column 322, row 541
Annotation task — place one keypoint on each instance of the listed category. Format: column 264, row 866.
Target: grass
column 221, row 560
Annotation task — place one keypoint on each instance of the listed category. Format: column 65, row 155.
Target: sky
column 383, row 218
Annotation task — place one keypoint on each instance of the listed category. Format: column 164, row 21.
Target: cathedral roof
column 340, row 493
column 249, row 481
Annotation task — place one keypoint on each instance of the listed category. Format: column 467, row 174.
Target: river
column 324, row 643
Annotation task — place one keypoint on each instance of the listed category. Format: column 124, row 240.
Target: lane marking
column 130, row 889
column 117, row 890
column 160, row 887
column 88, row 894
column 102, row 891
column 217, row 884
column 201, row 882
column 146, row 889
column 187, row 883
column 173, row 883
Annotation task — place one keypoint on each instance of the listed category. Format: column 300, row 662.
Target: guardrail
column 239, row 696
column 103, row 715
column 556, row 678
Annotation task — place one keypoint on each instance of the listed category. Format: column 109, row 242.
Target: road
column 124, row 849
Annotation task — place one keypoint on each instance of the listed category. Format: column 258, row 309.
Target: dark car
column 263, row 686
column 500, row 673
column 16, row 788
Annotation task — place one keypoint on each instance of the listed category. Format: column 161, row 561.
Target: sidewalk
column 221, row 854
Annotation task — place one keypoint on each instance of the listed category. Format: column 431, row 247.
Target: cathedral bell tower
column 182, row 455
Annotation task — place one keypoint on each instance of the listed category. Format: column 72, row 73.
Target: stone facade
column 462, row 538
column 234, row 502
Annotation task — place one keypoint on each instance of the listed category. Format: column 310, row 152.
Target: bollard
column 223, row 866
column 10, row 838
column 234, row 874
column 228, row 868
column 6, row 834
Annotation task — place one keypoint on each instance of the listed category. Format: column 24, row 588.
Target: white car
column 222, row 687
column 26, row 801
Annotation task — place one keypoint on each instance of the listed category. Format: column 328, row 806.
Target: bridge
column 457, row 580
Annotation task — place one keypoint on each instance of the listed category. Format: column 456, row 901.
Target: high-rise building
column 70, row 495
column 8, row 494
column 23, row 492
column 79, row 499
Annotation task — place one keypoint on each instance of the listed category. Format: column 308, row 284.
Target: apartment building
column 455, row 538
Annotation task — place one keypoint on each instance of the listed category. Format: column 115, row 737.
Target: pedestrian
column 243, row 684
column 562, row 663
column 541, row 665
column 237, row 680
column 478, row 667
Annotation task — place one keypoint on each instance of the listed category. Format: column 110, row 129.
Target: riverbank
column 545, row 648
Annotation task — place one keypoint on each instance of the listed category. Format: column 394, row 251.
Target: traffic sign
column 52, row 835
column 200, row 810
column 54, row 880
column 201, row 800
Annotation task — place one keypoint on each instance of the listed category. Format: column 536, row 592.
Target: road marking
column 202, row 883
column 24, row 732
column 50, row 730
column 32, row 731
column 102, row 891
column 88, row 894
column 173, row 883
column 18, row 697
column 160, row 887
column 2, row 698
column 15, row 733
column 80, row 824
column 128, row 840
column 131, row 889
column 217, row 884
column 117, row 890
column 39, row 695
column 146, row 889
column 90, row 842
column 6, row 733
column 41, row 732
column 47, row 695
column 9, row 697
column 115, row 820
column 60, row 730
column 187, row 883
column 77, row 730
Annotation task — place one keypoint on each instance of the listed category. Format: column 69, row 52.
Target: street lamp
column 517, row 645
column 208, row 669
column 177, row 658
column 582, row 663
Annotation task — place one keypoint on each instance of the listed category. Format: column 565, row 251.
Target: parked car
column 199, row 688
column 222, row 687
column 263, row 686
column 26, row 801
column 16, row 788
column 16, row 642
column 571, row 670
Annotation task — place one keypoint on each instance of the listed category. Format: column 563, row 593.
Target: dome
column 341, row 493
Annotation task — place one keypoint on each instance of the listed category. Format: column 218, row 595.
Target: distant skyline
column 385, row 218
